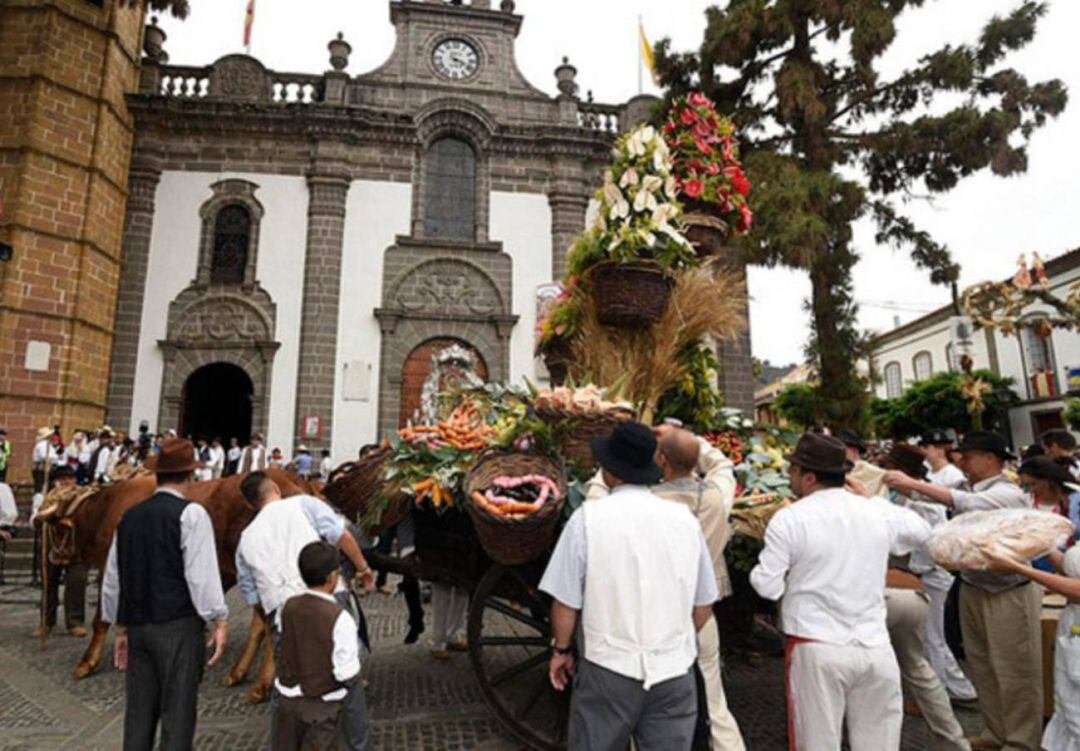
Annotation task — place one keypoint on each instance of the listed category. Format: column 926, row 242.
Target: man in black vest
column 161, row 588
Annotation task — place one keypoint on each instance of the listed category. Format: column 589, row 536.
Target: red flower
column 746, row 218
column 702, row 146
column 687, row 117
column 693, row 188
column 698, row 99
column 739, row 180
column 713, row 168
column 702, row 130
column 669, row 127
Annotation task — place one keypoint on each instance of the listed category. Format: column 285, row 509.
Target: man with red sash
column 825, row 558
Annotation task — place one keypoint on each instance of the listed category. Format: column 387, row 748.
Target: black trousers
column 165, row 665
column 308, row 724
column 74, row 594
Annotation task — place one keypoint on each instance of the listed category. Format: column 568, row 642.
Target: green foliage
column 800, row 404
column 827, row 139
column 695, row 400
column 938, row 402
column 1071, row 414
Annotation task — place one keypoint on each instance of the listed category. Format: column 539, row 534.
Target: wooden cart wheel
column 509, row 637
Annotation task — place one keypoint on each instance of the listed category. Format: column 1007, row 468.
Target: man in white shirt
column 232, row 458
column 216, row 465
column 254, row 458
column 635, row 570
column 826, row 557
column 999, row 614
column 698, row 475
column 325, row 465
column 104, row 458
column 43, row 458
column 936, row 446
column 267, row 563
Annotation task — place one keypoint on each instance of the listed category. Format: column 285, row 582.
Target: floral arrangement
column 705, row 159
column 638, row 213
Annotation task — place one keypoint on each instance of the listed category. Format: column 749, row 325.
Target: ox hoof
column 84, row 669
column 258, row 694
column 232, row 679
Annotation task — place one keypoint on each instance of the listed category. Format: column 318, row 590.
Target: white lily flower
column 644, row 200
column 649, row 237
column 636, row 144
column 651, row 183
column 670, row 187
column 629, row 178
column 648, row 133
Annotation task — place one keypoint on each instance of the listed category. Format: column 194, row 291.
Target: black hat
column 61, row 472
column 1047, row 469
column 820, row 453
column 629, row 453
column 908, row 459
column 984, row 440
column 935, row 437
column 851, row 438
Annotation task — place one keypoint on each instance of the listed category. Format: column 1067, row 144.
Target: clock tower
column 467, row 47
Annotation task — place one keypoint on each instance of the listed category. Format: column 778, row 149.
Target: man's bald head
column 679, row 450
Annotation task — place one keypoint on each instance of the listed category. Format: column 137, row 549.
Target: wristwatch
column 556, row 649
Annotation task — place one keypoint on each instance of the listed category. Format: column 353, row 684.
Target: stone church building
column 297, row 247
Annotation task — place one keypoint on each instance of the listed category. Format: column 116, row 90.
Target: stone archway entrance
column 217, row 403
column 417, row 370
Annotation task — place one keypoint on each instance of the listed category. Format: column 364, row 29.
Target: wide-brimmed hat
column 59, row 473
column 935, row 437
column 302, row 449
column 984, row 440
column 851, row 438
column 44, row 433
column 908, row 459
column 176, row 455
column 1046, row 468
column 820, row 453
column 629, row 453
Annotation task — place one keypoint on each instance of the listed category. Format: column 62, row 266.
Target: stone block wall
column 65, row 147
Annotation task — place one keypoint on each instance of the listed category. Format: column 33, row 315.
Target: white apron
column 1063, row 731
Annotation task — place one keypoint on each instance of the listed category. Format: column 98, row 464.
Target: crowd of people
column 862, row 604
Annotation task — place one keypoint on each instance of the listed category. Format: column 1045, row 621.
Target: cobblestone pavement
column 415, row 702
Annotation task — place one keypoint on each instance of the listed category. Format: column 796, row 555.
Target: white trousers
column 450, row 606
column 828, row 683
column 723, row 729
column 938, row 653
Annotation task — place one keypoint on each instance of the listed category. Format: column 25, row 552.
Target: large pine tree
column 827, row 141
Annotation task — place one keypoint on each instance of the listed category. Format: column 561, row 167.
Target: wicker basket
column 513, row 542
column 574, row 431
column 352, row 488
column 630, row 295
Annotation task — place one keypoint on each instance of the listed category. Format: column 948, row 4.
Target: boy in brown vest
column 320, row 657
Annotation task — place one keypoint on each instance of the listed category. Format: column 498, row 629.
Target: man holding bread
column 999, row 613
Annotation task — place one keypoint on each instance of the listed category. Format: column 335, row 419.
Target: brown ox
column 95, row 522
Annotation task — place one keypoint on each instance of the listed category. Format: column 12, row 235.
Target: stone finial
column 507, row 6
column 339, row 52
column 153, row 41
column 564, row 77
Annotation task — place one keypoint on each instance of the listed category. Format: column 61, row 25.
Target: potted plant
column 710, row 182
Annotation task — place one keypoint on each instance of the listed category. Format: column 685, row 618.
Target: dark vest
column 307, row 644
column 151, row 564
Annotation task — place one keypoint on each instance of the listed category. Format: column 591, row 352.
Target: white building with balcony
column 1039, row 367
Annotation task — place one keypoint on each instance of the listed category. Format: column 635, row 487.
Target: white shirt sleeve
column 200, row 563
column 9, row 512
column 346, row 657
column 907, row 530
column 769, row 577
column 110, row 586
column 718, row 470
column 596, row 488
column 706, row 592
column 1001, row 495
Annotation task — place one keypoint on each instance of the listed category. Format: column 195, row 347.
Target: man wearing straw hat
column 635, row 570
column 43, row 458
column 825, row 558
column 161, row 588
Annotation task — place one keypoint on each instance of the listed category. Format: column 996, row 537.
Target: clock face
column 456, row 59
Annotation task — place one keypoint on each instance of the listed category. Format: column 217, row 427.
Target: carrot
column 483, row 503
column 423, row 485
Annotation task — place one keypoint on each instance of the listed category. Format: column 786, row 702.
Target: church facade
column 297, row 247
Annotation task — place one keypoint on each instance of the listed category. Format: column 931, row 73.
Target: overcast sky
column 987, row 221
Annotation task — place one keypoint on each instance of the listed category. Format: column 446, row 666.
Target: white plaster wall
column 522, row 223
column 174, row 249
column 375, row 213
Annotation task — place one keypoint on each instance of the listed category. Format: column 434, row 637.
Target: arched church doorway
column 217, row 403
column 436, row 364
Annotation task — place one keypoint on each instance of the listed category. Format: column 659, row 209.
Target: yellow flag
column 647, row 55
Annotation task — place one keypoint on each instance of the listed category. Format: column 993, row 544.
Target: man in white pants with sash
column 826, row 557
column 636, row 571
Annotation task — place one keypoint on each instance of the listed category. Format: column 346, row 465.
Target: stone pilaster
column 135, row 255
column 736, row 363
column 567, row 220
column 319, row 316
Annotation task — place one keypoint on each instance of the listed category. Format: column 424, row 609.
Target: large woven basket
column 513, row 542
column 574, row 431
column 354, row 486
column 630, row 295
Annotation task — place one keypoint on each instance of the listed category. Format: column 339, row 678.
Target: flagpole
column 639, row 60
